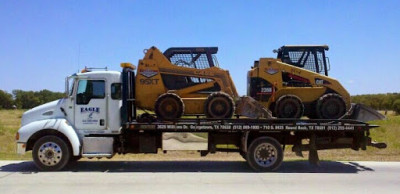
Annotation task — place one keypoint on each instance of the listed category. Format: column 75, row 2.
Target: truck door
column 91, row 105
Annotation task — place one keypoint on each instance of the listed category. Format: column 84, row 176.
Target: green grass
column 10, row 121
column 388, row 132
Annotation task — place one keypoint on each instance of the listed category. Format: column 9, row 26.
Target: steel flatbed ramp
column 242, row 125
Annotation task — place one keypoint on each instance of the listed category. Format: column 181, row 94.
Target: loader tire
column 289, row 106
column 219, row 105
column 331, row 106
column 169, row 106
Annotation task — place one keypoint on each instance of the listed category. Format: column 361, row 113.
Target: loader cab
column 193, row 57
column 311, row 58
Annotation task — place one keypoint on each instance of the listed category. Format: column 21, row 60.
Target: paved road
column 201, row 177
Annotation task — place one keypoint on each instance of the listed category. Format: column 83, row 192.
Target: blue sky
column 41, row 42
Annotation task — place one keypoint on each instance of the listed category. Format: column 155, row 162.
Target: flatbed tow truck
column 98, row 118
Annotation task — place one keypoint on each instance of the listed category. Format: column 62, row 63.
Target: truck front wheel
column 265, row 154
column 51, row 153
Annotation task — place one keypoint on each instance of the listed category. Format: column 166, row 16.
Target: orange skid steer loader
column 189, row 81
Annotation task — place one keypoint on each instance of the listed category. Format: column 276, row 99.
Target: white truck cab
column 91, row 106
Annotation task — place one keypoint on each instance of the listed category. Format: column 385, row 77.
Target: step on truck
column 98, row 118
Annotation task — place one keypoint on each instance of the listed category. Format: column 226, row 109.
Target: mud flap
column 312, row 149
column 363, row 113
column 249, row 107
column 313, row 158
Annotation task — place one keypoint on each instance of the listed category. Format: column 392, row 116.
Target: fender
column 60, row 125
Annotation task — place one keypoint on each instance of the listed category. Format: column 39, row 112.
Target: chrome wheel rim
column 265, row 155
column 50, row 154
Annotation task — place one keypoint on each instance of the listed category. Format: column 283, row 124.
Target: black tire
column 51, row 153
column 264, row 154
column 169, row 106
column 219, row 105
column 331, row 106
column 146, row 118
column 289, row 106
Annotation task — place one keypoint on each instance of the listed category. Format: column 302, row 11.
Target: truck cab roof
column 109, row 75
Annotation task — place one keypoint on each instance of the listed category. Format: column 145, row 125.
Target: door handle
column 101, row 122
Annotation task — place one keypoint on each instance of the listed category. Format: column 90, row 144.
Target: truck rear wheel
column 331, row 106
column 264, row 154
column 289, row 106
column 219, row 105
column 169, row 106
column 51, row 153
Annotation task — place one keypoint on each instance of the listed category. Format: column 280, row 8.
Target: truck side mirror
column 66, row 92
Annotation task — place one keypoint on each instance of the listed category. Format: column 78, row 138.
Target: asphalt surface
column 201, row 177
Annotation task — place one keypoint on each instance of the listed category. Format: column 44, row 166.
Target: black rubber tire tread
column 222, row 95
column 146, row 118
column 65, row 158
column 162, row 114
column 250, row 154
column 289, row 98
column 322, row 114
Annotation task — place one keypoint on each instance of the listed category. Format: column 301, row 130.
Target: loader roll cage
column 311, row 58
column 193, row 57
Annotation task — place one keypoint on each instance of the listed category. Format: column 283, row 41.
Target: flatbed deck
column 243, row 125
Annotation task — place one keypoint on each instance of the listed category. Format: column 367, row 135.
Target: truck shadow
column 28, row 167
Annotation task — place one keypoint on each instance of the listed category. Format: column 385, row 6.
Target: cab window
column 90, row 89
column 116, row 91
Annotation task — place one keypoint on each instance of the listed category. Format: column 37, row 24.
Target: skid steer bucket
column 364, row 113
column 249, row 107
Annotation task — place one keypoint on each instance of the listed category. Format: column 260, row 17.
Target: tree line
column 27, row 99
column 389, row 101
